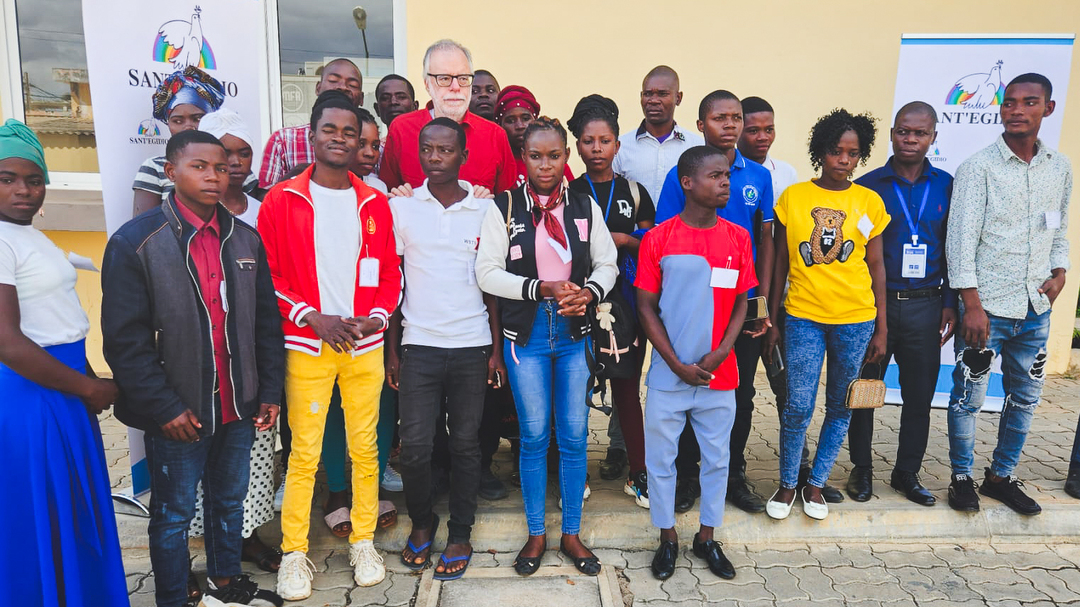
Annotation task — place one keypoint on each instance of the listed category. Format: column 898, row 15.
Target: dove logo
column 181, row 44
column 149, row 134
column 979, row 90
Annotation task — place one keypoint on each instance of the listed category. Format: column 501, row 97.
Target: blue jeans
column 806, row 342
column 222, row 461
column 550, row 373
column 1021, row 344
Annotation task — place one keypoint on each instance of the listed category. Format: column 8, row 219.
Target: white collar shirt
column 442, row 305
column 783, row 175
column 646, row 160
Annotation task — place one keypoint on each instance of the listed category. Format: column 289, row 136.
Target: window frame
column 11, row 101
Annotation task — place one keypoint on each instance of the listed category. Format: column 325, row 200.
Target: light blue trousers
column 711, row 414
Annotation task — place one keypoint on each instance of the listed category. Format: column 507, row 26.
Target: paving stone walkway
column 771, row 569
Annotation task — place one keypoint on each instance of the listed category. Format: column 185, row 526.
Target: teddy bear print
column 826, row 243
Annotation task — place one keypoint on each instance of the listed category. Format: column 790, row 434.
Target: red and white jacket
column 287, row 227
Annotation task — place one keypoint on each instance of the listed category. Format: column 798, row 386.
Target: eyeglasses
column 444, row 80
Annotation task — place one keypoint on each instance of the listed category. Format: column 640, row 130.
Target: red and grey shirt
column 698, row 273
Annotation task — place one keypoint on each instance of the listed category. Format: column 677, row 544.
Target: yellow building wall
column 804, row 57
column 92, row 245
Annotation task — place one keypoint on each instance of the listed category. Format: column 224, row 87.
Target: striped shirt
column 151, row 178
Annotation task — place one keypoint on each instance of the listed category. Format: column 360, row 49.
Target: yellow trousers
column 309, row 383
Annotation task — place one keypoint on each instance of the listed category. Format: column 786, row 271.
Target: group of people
column 439, row 286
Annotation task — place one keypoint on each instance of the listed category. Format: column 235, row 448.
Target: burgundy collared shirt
column 206, row 253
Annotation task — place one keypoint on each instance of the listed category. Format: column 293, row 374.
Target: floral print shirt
column 1007, row 227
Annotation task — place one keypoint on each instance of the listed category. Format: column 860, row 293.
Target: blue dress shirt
column 931, row 225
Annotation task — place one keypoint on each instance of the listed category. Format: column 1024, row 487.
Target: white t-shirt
column 337, row 247
column 783, row 175
column 251, row 215
column 443, row 306
column 373, row 180
column 49, row 309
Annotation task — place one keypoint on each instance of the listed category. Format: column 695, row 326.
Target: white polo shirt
column 783, row 175
column 644, row 159
column 443, row 306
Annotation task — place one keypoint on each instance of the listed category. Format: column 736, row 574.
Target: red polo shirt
column 490, row 164
column 206, row 253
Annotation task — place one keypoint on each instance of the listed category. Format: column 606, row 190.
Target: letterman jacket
column 506, row 259
column 287, row 226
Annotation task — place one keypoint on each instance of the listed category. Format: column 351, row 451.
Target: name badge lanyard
column 913, row 225
column 610, row 196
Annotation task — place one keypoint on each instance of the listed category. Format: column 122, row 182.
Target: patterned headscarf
column 514, row 96
column 191, row 85
column 18, row 141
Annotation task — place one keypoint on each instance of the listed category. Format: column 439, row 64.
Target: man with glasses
column 448, row 78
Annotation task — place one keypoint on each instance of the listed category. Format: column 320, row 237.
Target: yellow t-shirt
column 827, row 233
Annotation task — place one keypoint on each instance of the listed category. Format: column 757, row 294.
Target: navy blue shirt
column 751, row 191
column 931, row 225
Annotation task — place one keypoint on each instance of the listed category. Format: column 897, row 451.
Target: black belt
column 913, row 293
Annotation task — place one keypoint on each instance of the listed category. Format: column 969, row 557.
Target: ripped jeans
column 1021, row 344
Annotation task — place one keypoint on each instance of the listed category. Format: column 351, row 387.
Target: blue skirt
column 61, row 545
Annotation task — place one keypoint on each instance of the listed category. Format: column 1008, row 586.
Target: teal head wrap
column 18, row 141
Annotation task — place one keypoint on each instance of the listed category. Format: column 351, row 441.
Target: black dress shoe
column 1009, row 491
column 714, row 556
column 663, row 562
column 491, row 488
column 589, row 565
column 613, row 465
column 908, row 483
column 684, row 496
column 739, row 494
column 1072, row 484
column 860, row 484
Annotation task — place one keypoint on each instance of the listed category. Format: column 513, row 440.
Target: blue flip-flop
column 446, row 577
column 411, row 563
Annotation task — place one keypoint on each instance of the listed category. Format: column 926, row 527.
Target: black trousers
column 428, row 377
column 915, row 343
column 747, row 353
column 492, row 428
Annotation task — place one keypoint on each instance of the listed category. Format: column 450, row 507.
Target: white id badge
column 724, row 278
column 913, row 264
column 1053, row 220
column 369, row 272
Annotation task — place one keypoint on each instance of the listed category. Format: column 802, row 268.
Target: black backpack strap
column 596, row 384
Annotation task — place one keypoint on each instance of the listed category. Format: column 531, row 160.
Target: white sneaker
column 813, row 509
column 778, row 510
column 279, row 497
column 368, row 568
column 391, row 481
column 584, row 496
column 294, row 576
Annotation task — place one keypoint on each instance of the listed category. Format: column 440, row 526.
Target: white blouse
column 49, row 308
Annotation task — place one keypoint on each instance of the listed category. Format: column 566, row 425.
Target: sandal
column 589, row 565
column 416, row 550
column 446, row 576
column 339, row 522
column 387, row 514
column 265, row 557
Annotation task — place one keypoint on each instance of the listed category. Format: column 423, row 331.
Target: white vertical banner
column 963, row 76
column 131, row 47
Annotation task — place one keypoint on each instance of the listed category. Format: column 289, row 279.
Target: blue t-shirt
column 751, row 191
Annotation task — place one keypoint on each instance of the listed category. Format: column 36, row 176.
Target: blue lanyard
column 610, row 195
column 913, row 225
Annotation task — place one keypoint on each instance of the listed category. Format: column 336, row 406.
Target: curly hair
column 544, row 123
column 826, row 134
column 591, row 109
